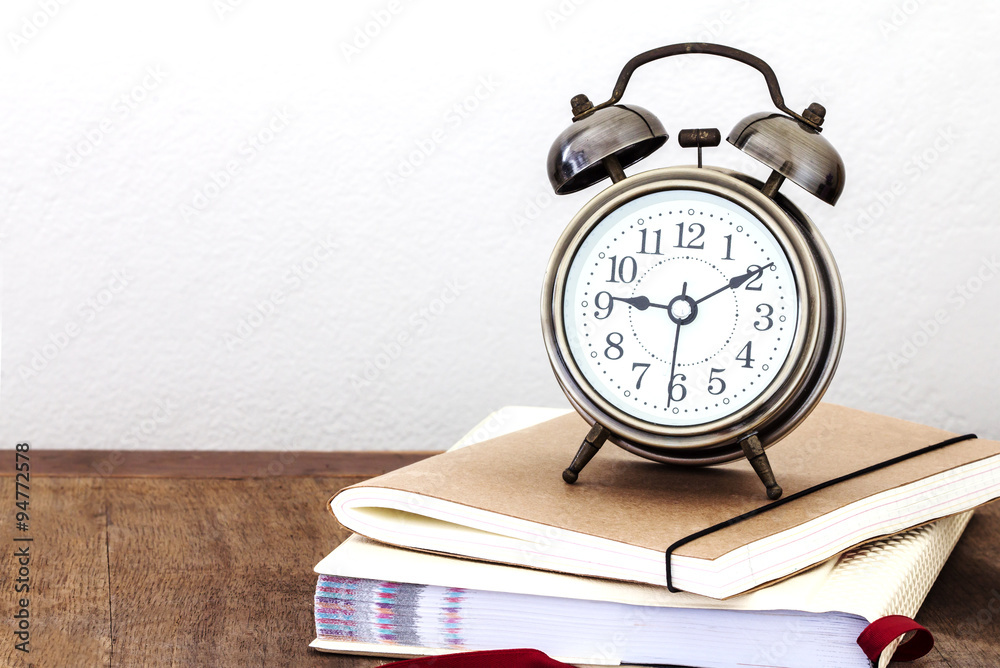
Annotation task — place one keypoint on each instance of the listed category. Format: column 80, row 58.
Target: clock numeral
column 729, row 247
column 627, row 267
column 678, row 386
column 691, row 228
column 614, row 345
column 607, row 309
column 638, row 382
column 712, row 379
column 764, row 316
column 756, row 279
column 642, row 251
column 746, row 359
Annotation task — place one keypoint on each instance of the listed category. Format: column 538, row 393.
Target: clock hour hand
column 641, row 303
column 737, row 281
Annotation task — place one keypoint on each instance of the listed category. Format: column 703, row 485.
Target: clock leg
column 754, row 452
column 591, row 444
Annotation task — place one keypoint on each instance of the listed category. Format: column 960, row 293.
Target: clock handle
column 591, row 444
column 754, row 452
column 583, row 108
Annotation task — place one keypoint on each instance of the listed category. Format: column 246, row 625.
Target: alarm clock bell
column 605, row 139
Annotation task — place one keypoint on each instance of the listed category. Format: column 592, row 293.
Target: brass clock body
column 805, row 371
column 692, row 315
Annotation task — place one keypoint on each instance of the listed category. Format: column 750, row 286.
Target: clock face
column 680, row 308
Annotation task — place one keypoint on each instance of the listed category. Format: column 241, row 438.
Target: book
column 503, row 500
column 380, row 600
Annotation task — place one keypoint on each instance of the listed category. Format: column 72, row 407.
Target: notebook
column 381, row 600
column 503, row 500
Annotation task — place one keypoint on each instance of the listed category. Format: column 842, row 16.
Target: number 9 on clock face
column 680, row 307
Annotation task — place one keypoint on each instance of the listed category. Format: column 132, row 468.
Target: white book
column 381, row 600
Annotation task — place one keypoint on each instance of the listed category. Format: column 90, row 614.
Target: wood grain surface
column 198, row 464
column 215, row 571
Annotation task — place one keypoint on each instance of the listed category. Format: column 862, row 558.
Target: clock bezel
column 806, row 371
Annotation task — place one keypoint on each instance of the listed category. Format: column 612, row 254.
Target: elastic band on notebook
column 798, row 495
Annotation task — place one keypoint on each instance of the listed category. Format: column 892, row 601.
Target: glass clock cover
column 680, row 308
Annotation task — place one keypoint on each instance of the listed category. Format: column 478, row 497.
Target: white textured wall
column 215, row 215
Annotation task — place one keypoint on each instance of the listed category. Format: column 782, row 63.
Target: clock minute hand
column 673, row 356
column 737, row 281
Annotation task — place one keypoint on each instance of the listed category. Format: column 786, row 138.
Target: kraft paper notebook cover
column 503, row 500
column 376, row 599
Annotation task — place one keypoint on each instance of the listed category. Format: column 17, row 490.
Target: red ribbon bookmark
column 499, row 658
column 879, row 634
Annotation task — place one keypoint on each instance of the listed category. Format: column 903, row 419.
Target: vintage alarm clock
column 692, row 315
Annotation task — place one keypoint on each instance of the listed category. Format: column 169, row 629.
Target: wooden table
column 186, row 559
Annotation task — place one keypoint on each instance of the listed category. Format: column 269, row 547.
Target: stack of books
column 485, row 547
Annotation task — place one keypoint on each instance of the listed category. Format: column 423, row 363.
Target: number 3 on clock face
column 680, row 308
